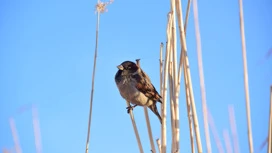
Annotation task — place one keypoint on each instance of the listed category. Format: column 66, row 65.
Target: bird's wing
column 145, row 86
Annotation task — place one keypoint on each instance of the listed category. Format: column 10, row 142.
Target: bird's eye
column 129, row 67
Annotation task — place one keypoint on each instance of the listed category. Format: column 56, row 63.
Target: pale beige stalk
column 175, row 80
column 161, row 68
column 189, row 111
column 149, row 130
column 159, row 145
column 135, row 129
column 93, row 76
column 148, row 121
column 250, row 140
column 164, row 104
column 186, row 62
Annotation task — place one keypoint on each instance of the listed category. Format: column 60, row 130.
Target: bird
column 135, row 87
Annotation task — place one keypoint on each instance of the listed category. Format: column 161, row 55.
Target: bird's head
column 128, row 67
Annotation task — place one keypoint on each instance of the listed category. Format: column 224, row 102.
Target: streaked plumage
column 135, row 86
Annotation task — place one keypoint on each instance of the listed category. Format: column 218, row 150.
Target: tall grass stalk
column 242, row 30
column 201, row 77
column 165, row 84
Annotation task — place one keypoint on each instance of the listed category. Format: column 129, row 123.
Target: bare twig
column 36, row 127
column 233, row 129
column 15, row 136
column 250, row 140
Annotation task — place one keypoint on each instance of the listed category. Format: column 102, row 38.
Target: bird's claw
column 130, row 108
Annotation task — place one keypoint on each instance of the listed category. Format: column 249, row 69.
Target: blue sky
column 46, row 59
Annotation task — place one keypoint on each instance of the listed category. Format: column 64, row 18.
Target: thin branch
column 233, row 129
column 135, row 129
column 250, row 140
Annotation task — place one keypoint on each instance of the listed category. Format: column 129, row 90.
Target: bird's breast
column 128, row 91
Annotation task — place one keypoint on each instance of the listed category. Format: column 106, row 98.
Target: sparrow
column 135, row 87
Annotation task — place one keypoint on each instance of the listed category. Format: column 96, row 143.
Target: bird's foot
column 130, row 108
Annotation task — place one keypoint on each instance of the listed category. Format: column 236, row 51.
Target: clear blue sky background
column 46, row 58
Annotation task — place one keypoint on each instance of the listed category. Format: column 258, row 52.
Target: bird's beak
column 120, row 67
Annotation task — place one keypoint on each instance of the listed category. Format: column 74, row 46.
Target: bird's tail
column 154, row 109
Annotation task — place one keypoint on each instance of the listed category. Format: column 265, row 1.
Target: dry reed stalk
column 161, row 68
column 15, row 136
column 201, row 77
column 175, row 79
column 250, row 140
column 188, row 75
column 227, row 141
column 148, row 122
column 149, row 130
column 182, row 31
column 159, row 145
column 189, row 111
column 233, row 129
column 172, row 106
column 269, row 141
column 100, row 8
column 193, row 107
column 36, row 127
column 135, row 129
column 92, row 91
column 187, row 16
column 163, row 108
column 215, row 133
